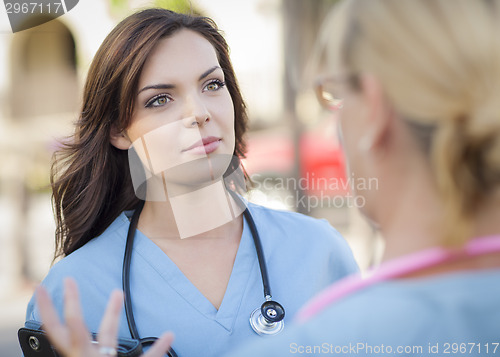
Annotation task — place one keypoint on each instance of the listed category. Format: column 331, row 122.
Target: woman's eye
column 214, row 85
column 158, row 101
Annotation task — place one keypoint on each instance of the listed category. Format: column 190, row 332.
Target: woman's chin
column 196, row 174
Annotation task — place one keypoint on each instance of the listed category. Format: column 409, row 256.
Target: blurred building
column 41, row 73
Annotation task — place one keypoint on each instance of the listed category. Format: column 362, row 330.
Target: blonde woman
column 416, row 85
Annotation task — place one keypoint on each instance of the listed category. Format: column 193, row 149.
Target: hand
column 74, row 340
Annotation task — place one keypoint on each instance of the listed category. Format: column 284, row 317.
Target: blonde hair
column 439, row 64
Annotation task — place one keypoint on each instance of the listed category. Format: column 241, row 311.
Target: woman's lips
column 205, row 146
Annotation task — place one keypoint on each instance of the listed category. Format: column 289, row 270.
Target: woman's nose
column 196, row 121
column 196, row 113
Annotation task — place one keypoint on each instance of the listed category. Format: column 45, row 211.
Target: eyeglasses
column 328, row 93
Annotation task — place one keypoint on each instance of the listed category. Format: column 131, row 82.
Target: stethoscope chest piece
column 268, row 319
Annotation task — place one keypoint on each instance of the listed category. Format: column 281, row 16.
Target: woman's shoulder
column 313, row 239
column 441, row 302
column 437, row 310
column 96, row 266
column 285, row 216
column 101, row 254
column 99, row 250
column 294, row 224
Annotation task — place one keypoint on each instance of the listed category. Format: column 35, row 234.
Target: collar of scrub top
column 266, row 320
column 398, row 268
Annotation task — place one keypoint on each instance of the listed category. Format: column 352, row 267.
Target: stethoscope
column 266, row 320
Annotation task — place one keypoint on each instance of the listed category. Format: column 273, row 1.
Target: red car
column 322, row 165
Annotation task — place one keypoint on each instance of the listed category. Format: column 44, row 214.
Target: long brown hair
column 90, row 177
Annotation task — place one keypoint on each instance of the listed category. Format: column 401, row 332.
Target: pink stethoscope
column 398, row 268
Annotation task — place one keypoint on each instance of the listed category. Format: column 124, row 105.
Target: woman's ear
column 119, row 138
column 380, row 113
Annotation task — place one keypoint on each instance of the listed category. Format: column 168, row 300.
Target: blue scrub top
column 303, row 256
column 456, row 314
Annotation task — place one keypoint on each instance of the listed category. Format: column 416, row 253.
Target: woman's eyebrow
column 207, row 72
column 157, row 86
column 170, row 86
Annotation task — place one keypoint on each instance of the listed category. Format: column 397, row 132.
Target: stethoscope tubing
column 260, row 254
column 128, row 258
column 126, row 283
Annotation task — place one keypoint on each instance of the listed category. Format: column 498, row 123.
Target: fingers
column 65, row 338
column 108, row 331
column 79, row 335
column 74, row 338
column 161, row 346
column 56, row 332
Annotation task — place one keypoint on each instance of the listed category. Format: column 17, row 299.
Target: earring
column 365, row 144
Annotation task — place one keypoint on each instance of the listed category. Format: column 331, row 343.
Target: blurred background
column 294, row 155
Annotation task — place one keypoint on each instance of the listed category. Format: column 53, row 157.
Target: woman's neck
column 203, row 212
column 411, row 230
